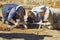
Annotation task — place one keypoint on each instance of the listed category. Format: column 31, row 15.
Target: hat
column 18, row 7
column 42, row 8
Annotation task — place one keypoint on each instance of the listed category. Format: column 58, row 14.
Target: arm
column 11, row 15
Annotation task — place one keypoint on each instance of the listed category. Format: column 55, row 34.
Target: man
column 30, row 18
column 49, row 14
column 39, row 13
column 36, row 15
column 11, row 12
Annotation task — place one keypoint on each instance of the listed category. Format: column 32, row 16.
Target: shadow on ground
column 23, row 36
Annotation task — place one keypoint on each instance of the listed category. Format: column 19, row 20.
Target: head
column 20, row 12
column 42, row 13
column 31, row 14
column 42, row 10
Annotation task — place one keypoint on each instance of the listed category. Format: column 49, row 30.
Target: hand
column 43, row 24
column 25, row 26
column 16, row 24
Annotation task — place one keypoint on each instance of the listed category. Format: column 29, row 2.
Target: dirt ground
column 28, row 34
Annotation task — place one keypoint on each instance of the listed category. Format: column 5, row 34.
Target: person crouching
column 15, row 12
